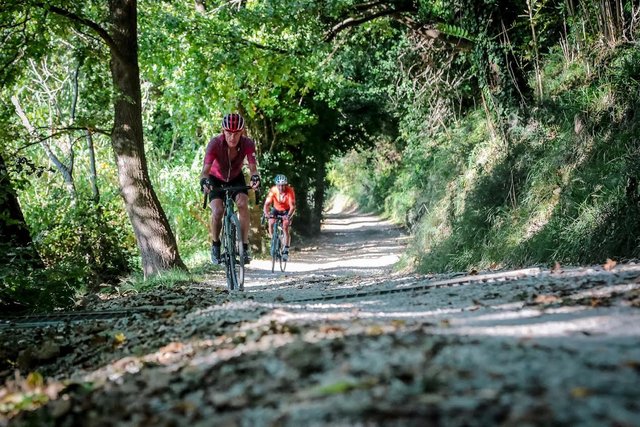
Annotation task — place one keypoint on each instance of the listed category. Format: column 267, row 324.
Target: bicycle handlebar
column 228, row 189
column 233, row 188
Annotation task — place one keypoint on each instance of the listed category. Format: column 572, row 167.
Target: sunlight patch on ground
column 340, row 204
column 609, row 325
column 351, row 224
column 373, row 262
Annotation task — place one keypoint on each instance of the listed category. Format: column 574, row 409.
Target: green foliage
column 440, row 128
column 455, row 31
column 91, row 240
column 366, row 176
column 23, row 288
column 233, row 60
column 560, row 184
column 83, row 248
column 178, row 191
column 135, row 283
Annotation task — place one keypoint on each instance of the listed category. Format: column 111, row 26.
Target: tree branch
column 65, row 171
column 386, row 10
column 102, row 33
column 370, row 5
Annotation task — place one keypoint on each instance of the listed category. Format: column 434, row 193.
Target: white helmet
column 280, row 179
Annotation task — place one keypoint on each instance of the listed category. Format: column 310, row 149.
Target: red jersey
column 222, row 167
column 281, row 201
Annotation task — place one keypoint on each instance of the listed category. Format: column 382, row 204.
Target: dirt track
column 339, row 339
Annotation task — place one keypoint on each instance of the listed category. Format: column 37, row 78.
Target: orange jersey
column 281, row 201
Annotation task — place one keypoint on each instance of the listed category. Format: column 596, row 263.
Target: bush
column 90, row 241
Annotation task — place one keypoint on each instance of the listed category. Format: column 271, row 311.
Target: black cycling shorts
column 217, row 183
column 275, row 212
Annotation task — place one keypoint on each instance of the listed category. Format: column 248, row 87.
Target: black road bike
column 277, row 244
column 231, row 250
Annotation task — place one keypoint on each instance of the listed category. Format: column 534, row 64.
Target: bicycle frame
column 277, row 245
column 232, row 250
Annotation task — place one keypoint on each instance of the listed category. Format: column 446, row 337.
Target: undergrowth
column 559, row 185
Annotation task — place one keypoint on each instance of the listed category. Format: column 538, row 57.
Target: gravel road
column 341, row 338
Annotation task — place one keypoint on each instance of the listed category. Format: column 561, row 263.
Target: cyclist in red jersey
column 223, row 161
column 283, row 199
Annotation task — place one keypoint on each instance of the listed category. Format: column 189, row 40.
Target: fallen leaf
column 580, row 392
column 173, row 347
column 119, row 339
column 609, row 265
column 35, row 380
column 398, row 323
column 547, row 299
column 166, row 314
column 375, row 330
column 335, row 388
column 329, row 329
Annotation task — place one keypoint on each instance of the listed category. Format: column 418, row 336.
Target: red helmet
column 233, row 122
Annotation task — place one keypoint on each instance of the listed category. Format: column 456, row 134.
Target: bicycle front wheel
column 275, row 246
column 239, row 249
column 229, row 255
column 283, row 262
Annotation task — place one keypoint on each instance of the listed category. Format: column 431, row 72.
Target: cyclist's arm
column 292, row 203
column 292, row 208
column 253, row 169
column 205, row 170
column 209, row 157
column 250, row 156
column 267, row 204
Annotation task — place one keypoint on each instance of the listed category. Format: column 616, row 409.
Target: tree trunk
column 318, row 195
column 15, row 238
column 157, row 244
column 93, row 177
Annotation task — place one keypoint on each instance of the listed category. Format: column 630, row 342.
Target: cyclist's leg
column 217, row 210
column 217, row 207
column 242, row 202
column 285, row 231
column 271, row 221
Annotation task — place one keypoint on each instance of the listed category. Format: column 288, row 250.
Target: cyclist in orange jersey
column 281, row 201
